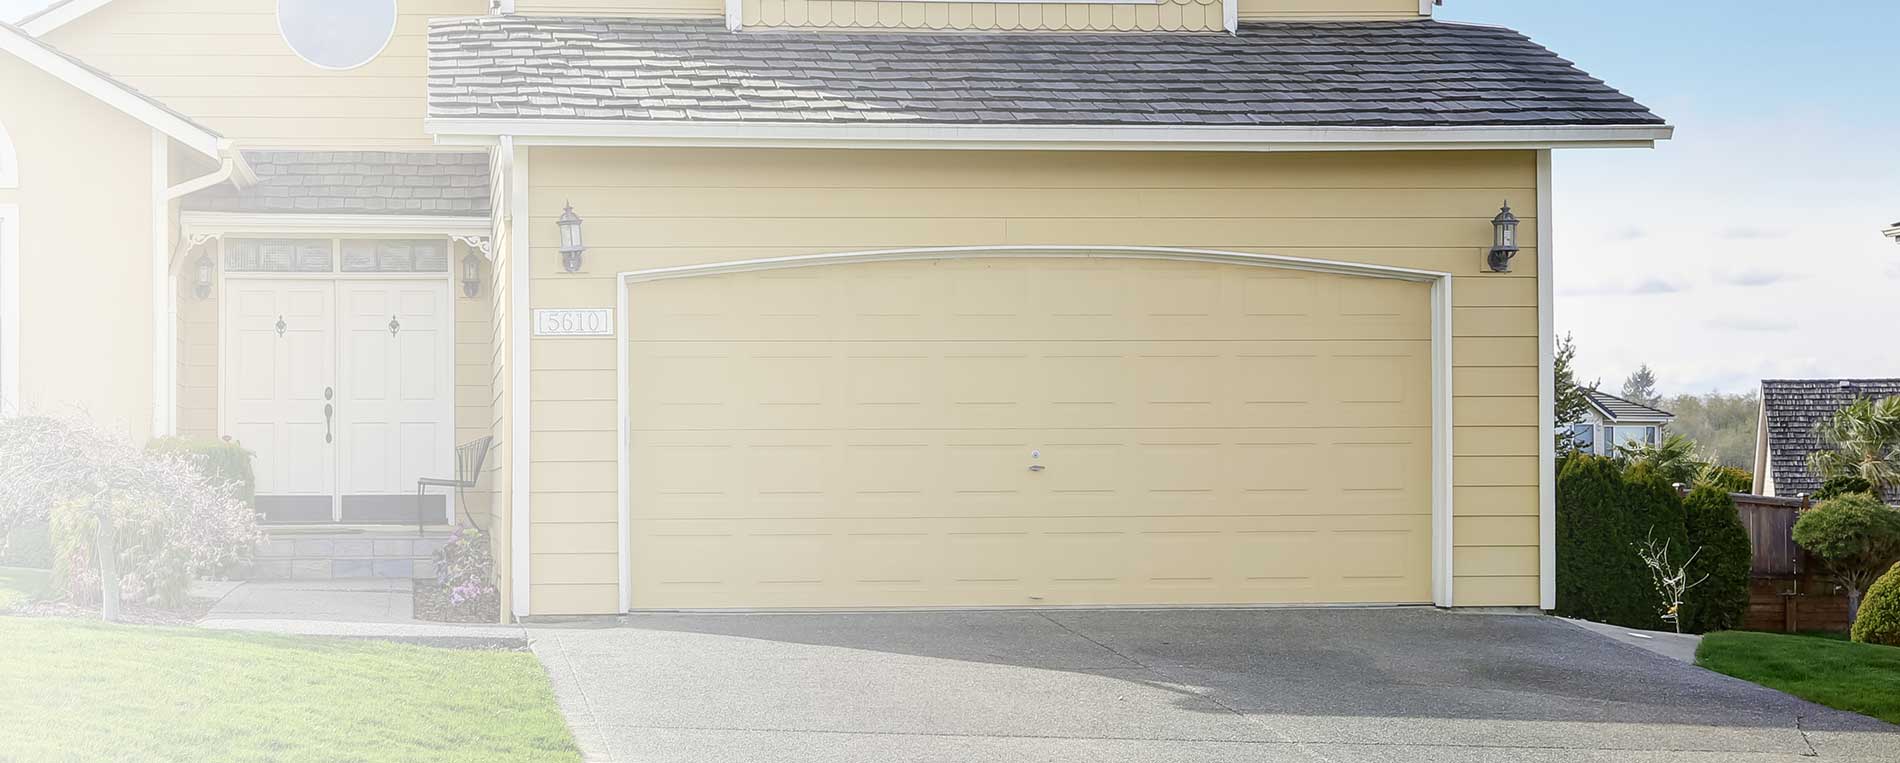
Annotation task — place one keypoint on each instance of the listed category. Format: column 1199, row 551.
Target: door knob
column 329, row 414
column 1034, row 455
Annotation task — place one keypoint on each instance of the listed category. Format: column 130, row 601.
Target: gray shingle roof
column 1793, row 407
column 1271, row 74
column 1617, row 409
column 357, row 182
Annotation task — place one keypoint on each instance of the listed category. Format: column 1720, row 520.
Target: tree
column 1722, row 425
column 1857, row 538
column 1673, row 459
column 127, row 522
column 1572, row 400
column 1716, row 530
column 1640, row 387
column 1863, row 440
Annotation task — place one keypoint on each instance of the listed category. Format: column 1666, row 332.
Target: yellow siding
column 86, row 211
column 224, row 63
column 1162, row 15
column 1334, row 10
column 661, row 207
column 474, row 398
column 654, row 8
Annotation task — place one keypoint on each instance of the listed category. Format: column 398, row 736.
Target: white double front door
column 344, row 390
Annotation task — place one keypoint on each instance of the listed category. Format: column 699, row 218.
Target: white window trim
column 1441, row 282
column 9, row 161
column 9, row 309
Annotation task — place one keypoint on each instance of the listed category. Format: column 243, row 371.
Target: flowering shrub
column 465, row 568
column 127, row 523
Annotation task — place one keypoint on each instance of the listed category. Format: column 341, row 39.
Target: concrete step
column 329, row 552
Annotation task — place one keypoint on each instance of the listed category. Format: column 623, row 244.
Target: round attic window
column 337, row 34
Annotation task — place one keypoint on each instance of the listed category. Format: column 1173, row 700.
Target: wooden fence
column 1784, row 593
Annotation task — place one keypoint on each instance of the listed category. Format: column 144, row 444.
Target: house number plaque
column 582, row 322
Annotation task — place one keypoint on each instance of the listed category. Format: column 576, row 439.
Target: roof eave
column 1893, row 233
column 112, row 92
column 58, row 15
column 576, row 132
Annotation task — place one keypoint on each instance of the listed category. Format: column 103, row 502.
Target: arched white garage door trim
column 1441, row 355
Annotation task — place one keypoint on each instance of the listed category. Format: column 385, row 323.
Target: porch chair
column 469, row 457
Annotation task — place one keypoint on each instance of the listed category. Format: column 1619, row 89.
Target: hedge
column 1603, row 513
column 1720, row 601
column 219, row 459
column 1879, row 621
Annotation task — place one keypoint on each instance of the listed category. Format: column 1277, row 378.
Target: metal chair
column 469, row 457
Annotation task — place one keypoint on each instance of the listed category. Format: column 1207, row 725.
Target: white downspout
column 231, row 168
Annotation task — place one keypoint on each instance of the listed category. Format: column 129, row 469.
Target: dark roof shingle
column 1618, row 409
column 357, row 182
column 1312, row 74
column 1793, row 407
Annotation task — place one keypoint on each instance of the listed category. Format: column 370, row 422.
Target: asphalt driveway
column 1161, row 686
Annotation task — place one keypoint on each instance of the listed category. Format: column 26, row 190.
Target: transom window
column 337, row 34
column 321, row 255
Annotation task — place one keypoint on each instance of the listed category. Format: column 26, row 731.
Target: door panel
column 864, row 435
column 276, row 374
column 399, row 405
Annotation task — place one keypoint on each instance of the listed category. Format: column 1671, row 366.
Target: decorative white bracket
column 482, row 244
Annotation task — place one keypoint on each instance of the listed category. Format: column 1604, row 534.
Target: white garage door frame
column 1441, row 355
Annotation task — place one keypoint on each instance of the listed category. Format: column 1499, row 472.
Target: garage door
column 1029, row 431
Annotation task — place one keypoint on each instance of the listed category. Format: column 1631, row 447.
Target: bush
column 1725, row 554
column 1879, row 621
column 1728, row 479
column 465, row 569
column 1857, row 538
column 28, row 545
column 1843, row 484
column 127, row 523
column 1603, row 514
column 224, row 460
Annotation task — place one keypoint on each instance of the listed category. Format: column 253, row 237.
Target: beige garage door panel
column 862, row 435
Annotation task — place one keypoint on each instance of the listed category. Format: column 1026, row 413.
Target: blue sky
column 1749, row 246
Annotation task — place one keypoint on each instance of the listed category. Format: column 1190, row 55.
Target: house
column 1612, row 422
column 1893, row 232
column 1785, row 436
column 803, row 303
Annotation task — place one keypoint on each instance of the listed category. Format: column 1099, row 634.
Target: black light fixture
column 206, row 266
column 571, row 244
column 1504, row 240
column 471, row 274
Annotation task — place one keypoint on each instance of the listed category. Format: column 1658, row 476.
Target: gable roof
column 114, row 93
column 58, row 14
column 1615, row 409
column 1791, row 408
column 620, row 71
column 356, row 182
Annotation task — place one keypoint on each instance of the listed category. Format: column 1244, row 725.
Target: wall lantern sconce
column 471, row 274
column 1504, row 240
column 206, row 266
column 571, row 244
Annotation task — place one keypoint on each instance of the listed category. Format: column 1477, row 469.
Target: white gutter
column 570, row 132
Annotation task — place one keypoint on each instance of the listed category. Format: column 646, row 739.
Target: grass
column 19, row 585
column 73, row 690
column 1861, row 678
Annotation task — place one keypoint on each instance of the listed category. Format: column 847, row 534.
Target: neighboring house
column 1171, row 302
column 1612, row 422
column 1893, row 232
column 1790, row 411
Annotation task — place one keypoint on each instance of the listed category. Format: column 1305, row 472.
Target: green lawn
column 1861, row 678
column 73, row 690
column 19, row 585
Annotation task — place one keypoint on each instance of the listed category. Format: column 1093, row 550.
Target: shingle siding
column 1793, row 408
column 1360, row 74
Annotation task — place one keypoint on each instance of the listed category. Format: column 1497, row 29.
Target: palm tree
column 1863, row 440
column 1674, row 458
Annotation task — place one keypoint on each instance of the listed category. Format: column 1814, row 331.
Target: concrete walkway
column 363, row 608
column 1160, row 686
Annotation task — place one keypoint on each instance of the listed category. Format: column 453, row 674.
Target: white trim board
column 113, row 92
column 9, row 309
column 9, row 161
column 1546, row 387
column 546, row 132
column 520, row 334
column 1441, row 492
column 249, row 223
